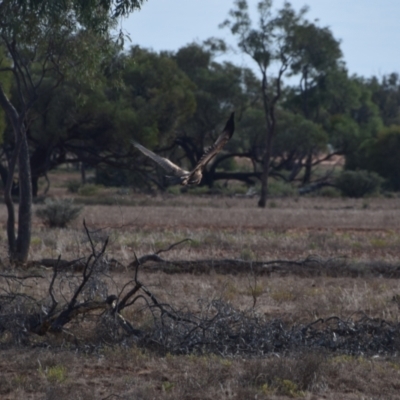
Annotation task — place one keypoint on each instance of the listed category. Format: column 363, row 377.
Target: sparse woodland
column 114, row 284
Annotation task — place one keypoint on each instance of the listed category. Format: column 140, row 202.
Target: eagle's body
column 183, row 177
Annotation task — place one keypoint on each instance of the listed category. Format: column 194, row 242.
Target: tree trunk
column 14, row 119
column 4, row 175
column 269, row 110
column 18, row 246
column 308, row 167
column 35, row 186
column 25, row 203
column 39, row 165
column 83, row 173
column 265, row 170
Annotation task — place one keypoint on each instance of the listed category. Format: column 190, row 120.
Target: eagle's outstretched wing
column 169, row 166
column 193, row 177
column 223, row 138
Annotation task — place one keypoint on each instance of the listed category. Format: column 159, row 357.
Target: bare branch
column 171, row 247
column 51, row 292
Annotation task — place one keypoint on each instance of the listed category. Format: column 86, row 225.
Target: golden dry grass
column 222, row 227
column 231, row 228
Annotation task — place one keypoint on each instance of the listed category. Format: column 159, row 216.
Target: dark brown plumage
column 179, row 175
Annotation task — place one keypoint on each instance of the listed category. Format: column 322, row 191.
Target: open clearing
column 355, row 244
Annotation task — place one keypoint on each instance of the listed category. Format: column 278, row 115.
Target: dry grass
column 222, row 228
column 130, row 373
column 231, row 228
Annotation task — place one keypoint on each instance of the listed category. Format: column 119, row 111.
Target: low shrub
column 58, row 213
column 73, row 186
column 329, row 191
column 89, row 189
column 358, row 183
column 281, row 189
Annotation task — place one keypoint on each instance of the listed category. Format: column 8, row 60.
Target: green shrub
column 280, row 189
column 329, row 191
column 57, row 374
column 58, row 213
column 89, row 189
column 358, row 183
column 175, row 190
column 73, row 186
column 228, row 164
column 383, row 156
column 118, row 177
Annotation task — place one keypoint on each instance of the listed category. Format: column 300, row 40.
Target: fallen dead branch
column 75, row 297
column 308, row 267
column 91, row 299
column 221, row 329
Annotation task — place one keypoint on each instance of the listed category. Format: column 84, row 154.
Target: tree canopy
column 45, row 42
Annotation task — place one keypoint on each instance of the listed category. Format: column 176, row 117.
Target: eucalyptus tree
column 219, row 89
column 6, row 79
column 269, row 45
column 52, row 39
column 5, row 82
column 386, row 95
column 296, row 137
column 88, row 124
column 315, row 54
column 383, row 156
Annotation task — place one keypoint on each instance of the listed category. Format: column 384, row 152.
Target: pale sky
column 369, row 30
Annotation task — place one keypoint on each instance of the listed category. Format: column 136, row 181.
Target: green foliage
column 220, row 88
column 84, row 9
column 62, row 51
column 329, row 191
column 288, row 388
column 93, row 122
column 47, row 42
column 296, row 134
column 89, row 189
column 118, row 177
column 315, row 50
column 56, row 374
column 106, row 98
column 247, row 254
column 58, row 213
column 74, row 37
column 386, row 95
column 278, row 188
column 335, row 93
column 229, row 164
column 384, row 155
column 380, row 153
column 286, row 40
column 358, row 183
column 109, row 176
column 256, row 42
column 74, row 118
column 344, row 133
column 73, row 186
column 342, row 106
column 159, row 93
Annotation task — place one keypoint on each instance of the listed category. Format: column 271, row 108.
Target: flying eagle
column 179, row 175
